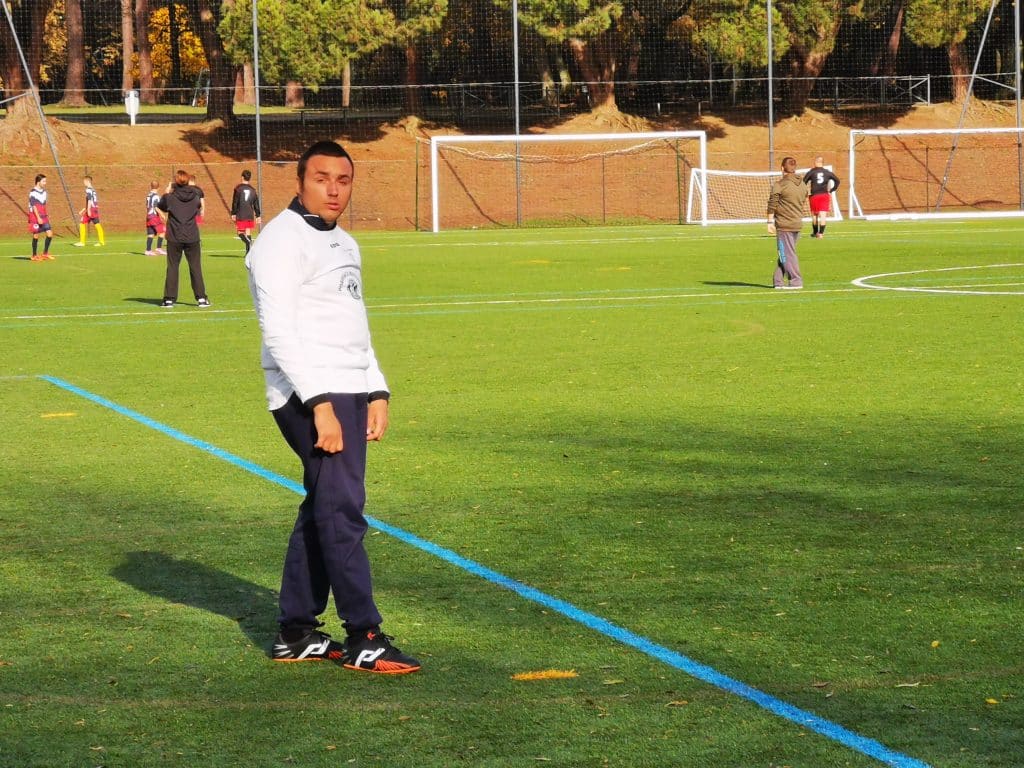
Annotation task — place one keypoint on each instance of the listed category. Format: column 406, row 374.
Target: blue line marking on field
column 803, row 718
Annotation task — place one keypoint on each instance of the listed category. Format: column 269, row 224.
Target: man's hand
column 376, row 419
column 771, row 228
column 328, row 429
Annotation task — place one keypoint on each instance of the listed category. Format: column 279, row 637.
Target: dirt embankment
column 392, row 160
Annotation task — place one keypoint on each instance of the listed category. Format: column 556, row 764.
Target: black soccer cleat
column 372, row 651
column 313, row 646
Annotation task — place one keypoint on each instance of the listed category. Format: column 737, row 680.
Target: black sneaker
column 313, row 646
column 167, row 303
column 203, row 302
column 372, row 651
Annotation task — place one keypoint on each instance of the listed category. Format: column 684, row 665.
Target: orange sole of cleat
column 384, row 668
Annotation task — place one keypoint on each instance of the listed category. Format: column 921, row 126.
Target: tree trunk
column 205, row 18
column 294, row 95
column 596, row 64
column 28, row 18
column 346, row 84
column 885, row 63
column 245, row 84
column 245, row 89
column 804, row 69
column 549, row 94
column 413, row 96
column 173, row 36
column 74, row 82
column 960, row 69
column 146, row 93
column 127, row 44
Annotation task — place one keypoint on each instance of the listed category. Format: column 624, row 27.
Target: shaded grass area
column 816, row 494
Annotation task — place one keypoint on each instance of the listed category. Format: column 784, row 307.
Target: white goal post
column 737, row 197
column 558, row 179
column 935, row 173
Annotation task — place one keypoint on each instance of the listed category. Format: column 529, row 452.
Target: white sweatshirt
column 306, row 283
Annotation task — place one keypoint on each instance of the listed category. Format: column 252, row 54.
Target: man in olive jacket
column 786, row 205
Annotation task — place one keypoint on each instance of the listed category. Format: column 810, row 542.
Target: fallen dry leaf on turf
column 546, row 674
column 991, row 701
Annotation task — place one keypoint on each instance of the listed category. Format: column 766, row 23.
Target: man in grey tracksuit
column 786, row 205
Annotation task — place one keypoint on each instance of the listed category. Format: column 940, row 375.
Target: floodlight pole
column 39, row 107
column 1016, row 67
column 771, row 97
column 256, row 87
column 515, row 91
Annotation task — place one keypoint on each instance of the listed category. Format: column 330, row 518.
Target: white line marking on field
column 863, row 282
column 522, row 301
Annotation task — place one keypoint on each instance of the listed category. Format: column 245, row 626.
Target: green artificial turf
column 815, row 493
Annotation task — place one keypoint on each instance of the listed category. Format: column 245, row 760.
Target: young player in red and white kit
column 155, row 226
column 90, row 214
column 245, row 209
column 822, row 184
column 39, row 220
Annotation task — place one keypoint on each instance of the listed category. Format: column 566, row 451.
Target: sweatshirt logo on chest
column 350, row 284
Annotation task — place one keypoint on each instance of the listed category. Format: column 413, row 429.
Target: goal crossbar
column 518, row 140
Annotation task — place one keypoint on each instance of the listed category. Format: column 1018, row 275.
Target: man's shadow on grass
column 735, row 284
column 144, row 300
column 188, row 582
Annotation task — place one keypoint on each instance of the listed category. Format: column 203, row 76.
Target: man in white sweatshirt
column 328, row 397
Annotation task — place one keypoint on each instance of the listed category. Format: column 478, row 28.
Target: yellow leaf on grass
column 546, row 674
column 991, row 701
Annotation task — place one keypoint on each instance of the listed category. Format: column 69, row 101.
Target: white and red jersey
column 154, row 224
column 38, row 218
column 92, row 203
column 151, row 200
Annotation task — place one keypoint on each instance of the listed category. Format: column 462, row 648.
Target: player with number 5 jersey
column 822, row 184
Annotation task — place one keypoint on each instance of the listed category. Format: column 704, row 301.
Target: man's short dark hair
column 40, row 177
column 247, row 174
column 326, row 148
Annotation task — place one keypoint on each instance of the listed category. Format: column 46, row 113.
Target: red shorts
column 199, row 219
column 821, row 203
column 35, row 227
column 87, row 219
column 241, row 225
column 155, row 226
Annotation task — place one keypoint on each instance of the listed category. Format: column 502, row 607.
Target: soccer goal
column 562, row 179
column 935, row 173
column 737, row 197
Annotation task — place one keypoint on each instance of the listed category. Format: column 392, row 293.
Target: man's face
column 326, row 187
column 42, row 183
column 789, row 166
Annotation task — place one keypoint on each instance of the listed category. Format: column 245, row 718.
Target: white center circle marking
column 865, row 282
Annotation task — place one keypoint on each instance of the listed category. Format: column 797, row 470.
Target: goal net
column 562, row 179
column 935, row 173
column 737, row 197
